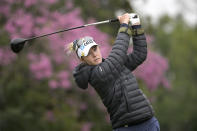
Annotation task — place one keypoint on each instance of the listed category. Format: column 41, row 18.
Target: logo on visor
column 82, row 47
column 82, row 54
column 88, row 42
column 85, row 43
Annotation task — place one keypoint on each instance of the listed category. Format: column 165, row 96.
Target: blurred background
column 37, row 90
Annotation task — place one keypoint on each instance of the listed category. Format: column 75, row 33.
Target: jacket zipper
column 124, row 93
column 126, row 101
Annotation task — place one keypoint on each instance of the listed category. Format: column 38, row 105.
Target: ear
column 82, row 60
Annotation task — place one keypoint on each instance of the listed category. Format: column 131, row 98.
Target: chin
column 98, row 62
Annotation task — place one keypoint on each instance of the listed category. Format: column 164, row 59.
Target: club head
column 17, row 44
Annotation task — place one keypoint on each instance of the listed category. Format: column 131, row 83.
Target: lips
column 97, row 59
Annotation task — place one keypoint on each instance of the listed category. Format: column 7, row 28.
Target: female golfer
column 128, row 107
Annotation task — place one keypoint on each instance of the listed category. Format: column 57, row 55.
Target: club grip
column 114, row 20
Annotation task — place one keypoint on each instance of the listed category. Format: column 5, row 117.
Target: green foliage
column 176, row 108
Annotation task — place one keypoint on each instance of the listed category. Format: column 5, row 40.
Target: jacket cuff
column 124, row 25
column 125, row 29
column 137, row 30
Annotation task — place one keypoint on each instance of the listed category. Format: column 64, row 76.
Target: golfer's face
column 94, row 56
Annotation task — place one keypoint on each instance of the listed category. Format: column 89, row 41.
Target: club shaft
column 96, row 23
column 55, row 32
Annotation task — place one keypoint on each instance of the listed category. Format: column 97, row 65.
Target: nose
column 93, row 53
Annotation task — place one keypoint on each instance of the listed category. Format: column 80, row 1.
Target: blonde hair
column 68, row 48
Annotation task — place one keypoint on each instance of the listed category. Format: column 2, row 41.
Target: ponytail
column 68, row 48
column 71, row 47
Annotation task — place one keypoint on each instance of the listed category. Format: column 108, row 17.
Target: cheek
column 89, row 59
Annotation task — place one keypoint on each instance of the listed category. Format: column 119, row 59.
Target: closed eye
column 94, row 48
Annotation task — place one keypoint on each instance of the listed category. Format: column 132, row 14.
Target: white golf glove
column 134, row 19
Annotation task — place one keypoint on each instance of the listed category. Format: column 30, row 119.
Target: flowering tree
column 46, row 64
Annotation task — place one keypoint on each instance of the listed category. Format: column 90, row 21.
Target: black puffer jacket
column 114, row 82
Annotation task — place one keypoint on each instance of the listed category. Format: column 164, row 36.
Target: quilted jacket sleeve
column 113, row 65
column 139, row 52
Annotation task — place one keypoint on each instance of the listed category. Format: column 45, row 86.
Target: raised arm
column 139, row 52
column 113, row 65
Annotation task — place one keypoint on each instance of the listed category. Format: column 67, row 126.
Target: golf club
column 18, row 43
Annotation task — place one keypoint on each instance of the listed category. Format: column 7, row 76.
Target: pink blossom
column 10, row 27
column 11, row 1
column 68, row 20
column 6, row 56
column 50, row 1
column 18, row 25
column 86, row 126
column 53, row 84
column 69, row 4
column 58, row 57
column 152, row 71
column 165, row 83
column 32, row 57
column 105, row 49
column 40, row 20
column 65, row 83
column 149, row 39
column 41, row 67
column 43, row 30
column 30, row 2
column 73, row 63
column 5, row 10
column 63, row 78
column 63, row 75
column 45, row 12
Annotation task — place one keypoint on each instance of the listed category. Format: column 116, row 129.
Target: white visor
column 85, row 44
